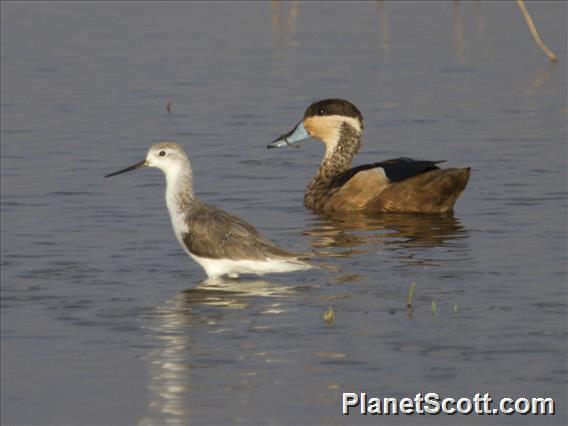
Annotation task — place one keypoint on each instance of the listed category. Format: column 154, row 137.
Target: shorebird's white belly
column 218, row 267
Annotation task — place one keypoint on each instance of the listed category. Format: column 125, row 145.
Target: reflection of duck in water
column 399, row 185
column 388, row 229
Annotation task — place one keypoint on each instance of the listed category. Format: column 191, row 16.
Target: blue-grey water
column 104, row 319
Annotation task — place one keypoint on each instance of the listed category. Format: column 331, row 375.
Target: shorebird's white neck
column 178, row 176
column 179, row 194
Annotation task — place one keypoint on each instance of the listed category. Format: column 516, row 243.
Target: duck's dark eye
column 321, row 111
column 162, row 153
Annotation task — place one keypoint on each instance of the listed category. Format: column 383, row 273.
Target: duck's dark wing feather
column 215, row 234
column 396, row 169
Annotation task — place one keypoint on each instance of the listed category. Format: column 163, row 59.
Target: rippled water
column 106, row 321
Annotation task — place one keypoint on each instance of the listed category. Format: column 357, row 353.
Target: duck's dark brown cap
column 333, row 107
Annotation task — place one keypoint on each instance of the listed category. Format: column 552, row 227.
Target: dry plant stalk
column 410, row 296
column 551, row 56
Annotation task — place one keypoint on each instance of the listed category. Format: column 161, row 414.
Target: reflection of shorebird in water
column 181, row 355
column 406, row 230
column 232, row 293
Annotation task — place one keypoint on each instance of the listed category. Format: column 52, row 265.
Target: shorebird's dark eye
column 162, row 153
column 321, row 111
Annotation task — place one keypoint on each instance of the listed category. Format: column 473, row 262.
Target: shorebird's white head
column 166, row 156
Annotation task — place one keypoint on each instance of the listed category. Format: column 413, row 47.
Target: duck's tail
column 435, row 191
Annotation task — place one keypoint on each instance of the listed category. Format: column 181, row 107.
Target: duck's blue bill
column 299, row 133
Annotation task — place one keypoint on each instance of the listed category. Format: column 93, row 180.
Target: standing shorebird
column 400, row 185
column 221, row 243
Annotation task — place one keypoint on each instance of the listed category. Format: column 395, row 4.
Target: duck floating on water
column 399, row 185
column 221, row 243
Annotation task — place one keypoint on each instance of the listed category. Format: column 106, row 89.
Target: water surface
column 105, row 320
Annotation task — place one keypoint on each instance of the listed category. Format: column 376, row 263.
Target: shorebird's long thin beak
column 143, row 163
column 299, row 133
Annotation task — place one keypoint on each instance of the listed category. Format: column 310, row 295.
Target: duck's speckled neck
column 338, row 158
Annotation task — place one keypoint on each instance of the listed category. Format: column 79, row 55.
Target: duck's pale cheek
column 311, row 127
column 323, row 128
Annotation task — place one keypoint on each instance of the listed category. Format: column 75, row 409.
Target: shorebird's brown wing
column 215, row 234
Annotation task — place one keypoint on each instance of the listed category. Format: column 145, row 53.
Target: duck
column 399, row 185
column 221, row 243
